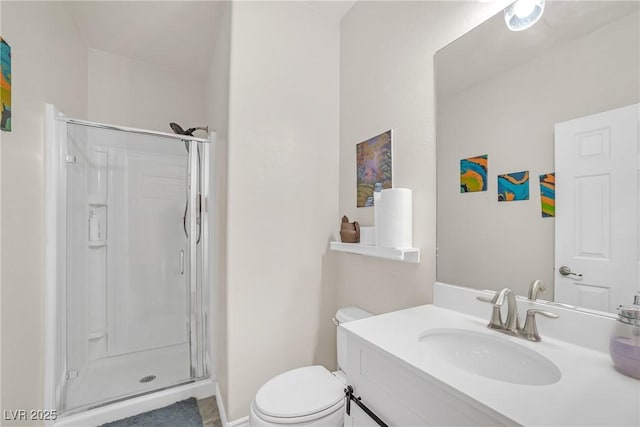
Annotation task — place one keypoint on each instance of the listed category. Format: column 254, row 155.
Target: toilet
column 308, row 396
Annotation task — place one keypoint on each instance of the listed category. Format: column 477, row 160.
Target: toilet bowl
column 308, row 396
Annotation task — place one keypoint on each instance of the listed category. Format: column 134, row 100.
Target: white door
column 597, row 214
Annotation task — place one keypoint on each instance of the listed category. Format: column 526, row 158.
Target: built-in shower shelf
column 97, row 244
column 97, row 202
column 97, row 335
column 397, row 254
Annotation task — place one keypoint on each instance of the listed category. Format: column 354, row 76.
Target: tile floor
column 209, row 412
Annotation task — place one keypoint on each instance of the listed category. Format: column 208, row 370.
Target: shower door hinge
column 72, row 375
column 70, row 158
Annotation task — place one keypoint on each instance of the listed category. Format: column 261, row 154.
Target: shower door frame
column 199, row 297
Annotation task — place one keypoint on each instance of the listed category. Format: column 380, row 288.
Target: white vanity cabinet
column 408, row 376
column 402, row 395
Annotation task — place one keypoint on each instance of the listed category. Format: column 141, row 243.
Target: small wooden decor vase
column 349, row 231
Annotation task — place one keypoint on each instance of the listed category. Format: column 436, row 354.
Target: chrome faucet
column 512, row 325
column 535, row 287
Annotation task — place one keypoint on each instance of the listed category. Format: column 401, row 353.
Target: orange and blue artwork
column 373, row 165
column 548, row 194
column 5, row 85
column 513, row 186
column 473, row 174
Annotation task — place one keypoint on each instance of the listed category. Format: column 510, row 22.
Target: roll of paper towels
column 396, row 225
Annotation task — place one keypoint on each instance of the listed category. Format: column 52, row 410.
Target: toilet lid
column 299, row 392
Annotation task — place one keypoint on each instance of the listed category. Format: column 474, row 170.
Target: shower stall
column 128, row 280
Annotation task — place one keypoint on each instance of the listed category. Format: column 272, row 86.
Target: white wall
column 125, row 91
column 52, row 64
column 49, row 65
column 387, row 82
column 282, row 163
column 482, row 243
column 217, row 113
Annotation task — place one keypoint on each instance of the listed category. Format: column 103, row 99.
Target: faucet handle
column 497, row 298
column 530, row 329
column 533, row 311
column 496, row 317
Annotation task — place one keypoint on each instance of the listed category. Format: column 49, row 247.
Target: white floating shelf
column 97, row 244
column 97, row 335
column 406, row 255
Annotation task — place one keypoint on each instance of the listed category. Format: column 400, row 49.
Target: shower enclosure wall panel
column 86, row 276
column 148, row 290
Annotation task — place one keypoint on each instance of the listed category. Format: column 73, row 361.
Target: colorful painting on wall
column 513, row 186
column 5, row 84
column 473, row 174
column 548, row 194
column 373, row 165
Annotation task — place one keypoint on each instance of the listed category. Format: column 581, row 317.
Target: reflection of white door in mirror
column 597, row 213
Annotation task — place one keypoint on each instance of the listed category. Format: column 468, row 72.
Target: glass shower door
column 134, row 287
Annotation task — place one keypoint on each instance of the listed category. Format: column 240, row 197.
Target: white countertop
column 590, row 391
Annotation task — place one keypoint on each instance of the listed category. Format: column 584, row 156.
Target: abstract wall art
column 473, row 174
column 548, row 194
column 513, row 186
column 373, row 165
column 5, row 85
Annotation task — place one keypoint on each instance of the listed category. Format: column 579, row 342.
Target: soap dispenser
column 624, row 344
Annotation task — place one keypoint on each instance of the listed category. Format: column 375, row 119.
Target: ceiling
column 492, row 48
column 331, row 9
column 176, row 35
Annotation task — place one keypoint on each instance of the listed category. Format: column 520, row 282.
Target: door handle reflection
column 566, row 271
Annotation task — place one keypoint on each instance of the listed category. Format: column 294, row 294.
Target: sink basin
column 489, row 356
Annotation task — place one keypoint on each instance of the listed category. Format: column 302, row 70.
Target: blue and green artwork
column 513, row 186
column 473, row 174
column 5, row 85
column 548, row 194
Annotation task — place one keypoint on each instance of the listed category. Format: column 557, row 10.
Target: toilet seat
column 320, row 417
column 299, row 396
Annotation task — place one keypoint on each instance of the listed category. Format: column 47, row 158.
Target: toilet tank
column 346, row 314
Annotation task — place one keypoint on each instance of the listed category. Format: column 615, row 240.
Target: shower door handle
column 181, row 262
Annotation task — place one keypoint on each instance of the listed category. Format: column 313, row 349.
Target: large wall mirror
column 560, row 97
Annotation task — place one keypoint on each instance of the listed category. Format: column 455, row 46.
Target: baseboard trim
column 221, row 410
column 241, row 422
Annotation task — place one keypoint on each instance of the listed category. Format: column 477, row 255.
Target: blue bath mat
column 181, row 414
